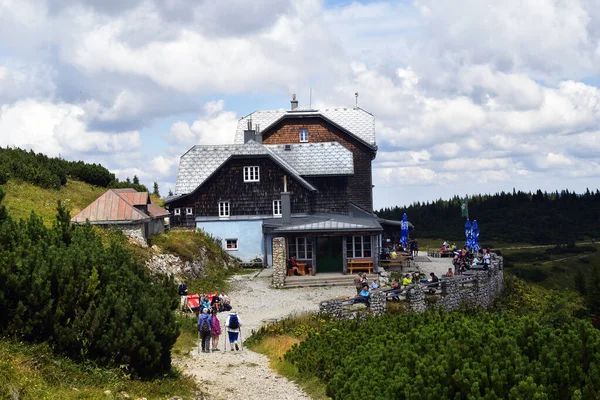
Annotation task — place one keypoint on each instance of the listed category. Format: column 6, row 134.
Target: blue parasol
column 404, row 230
column 475, row 236
column 468, row 236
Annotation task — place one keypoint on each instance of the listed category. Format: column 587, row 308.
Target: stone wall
column 480, row 291
column 279, row 262
column 134, row 231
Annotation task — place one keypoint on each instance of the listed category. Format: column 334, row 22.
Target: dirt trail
column 246, row 374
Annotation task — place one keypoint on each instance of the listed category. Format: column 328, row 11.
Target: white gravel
column 246, row 374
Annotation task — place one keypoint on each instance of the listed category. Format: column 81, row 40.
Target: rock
column 107, row 392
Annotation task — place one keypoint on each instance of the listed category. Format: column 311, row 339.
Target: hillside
column 22, row 198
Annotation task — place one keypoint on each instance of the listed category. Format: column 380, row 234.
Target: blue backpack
column 234, row 323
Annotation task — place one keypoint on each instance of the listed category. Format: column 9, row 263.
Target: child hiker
column 233, row 325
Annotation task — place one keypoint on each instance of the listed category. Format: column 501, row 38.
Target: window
column 224, row 209
column 358, row 246
column 302, row 248
column 188, row 211
column 277, row 207
column 231, row 244
column 177, row 211
column 251, row 174
column 303, row 135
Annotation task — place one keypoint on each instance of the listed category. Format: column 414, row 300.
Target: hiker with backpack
column 205, row 329
column 233, row 325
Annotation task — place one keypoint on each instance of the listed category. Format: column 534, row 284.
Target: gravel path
column 246, row 374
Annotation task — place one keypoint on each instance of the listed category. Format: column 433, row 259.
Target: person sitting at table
column 449, row 273
column 393, row 254
column 293, row 266
column 374, row 284
column 436, row 280
column 475, row 262
column 407, row 280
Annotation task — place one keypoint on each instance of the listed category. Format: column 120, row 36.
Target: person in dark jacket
column 183, row 295
column 205, row 329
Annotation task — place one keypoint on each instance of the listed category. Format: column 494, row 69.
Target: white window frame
column 234, row 244
column 252, row 173
column 177, row 211
column 302, row 131
column 224, row 209
column 308, row 243
column 364, row 243
column 277, row 208
column 189, row 211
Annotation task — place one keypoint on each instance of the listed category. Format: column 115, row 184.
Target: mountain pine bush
column 457, row 355
column 62, row 285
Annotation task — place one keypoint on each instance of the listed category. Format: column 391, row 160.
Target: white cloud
column 215, row 126
column 58, row 129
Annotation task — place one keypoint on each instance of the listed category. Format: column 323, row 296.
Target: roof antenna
column 356, row 95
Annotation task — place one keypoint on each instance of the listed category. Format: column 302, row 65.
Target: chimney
column 294, row 102
column 257, row 134
column 249, row 134
column 286, row 206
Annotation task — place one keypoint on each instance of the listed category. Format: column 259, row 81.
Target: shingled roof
column 316, row 159
column 356, row 121
column 119, row 206
column 307, row 159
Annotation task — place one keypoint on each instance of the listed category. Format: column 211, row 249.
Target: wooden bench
column 360, row 265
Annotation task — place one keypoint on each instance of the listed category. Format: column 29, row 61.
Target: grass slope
column 22, row 198
column 29, row 371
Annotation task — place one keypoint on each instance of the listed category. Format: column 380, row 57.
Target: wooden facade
column 256, row 198
column 319, row 130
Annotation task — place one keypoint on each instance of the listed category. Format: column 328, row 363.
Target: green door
column 329, row 254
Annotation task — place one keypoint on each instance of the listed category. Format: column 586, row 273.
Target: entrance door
column 329, row 254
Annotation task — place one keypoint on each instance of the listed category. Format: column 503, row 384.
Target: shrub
column 89, row 301
column 438, row 355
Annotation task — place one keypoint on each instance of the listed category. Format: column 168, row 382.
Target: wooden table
column 302, row 268
column 361, row 265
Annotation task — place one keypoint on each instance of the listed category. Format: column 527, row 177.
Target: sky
column 469, row 96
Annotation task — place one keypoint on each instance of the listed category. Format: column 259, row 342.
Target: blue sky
column 470, row 96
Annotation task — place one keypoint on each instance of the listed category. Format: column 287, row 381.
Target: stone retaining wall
column 480, row 291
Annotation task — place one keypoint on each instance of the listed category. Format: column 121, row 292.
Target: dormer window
column 303, row 135
column 251, row 174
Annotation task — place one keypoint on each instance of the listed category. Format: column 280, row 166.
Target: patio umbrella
column 475, row 236
column 468, row 234
column 404, row 230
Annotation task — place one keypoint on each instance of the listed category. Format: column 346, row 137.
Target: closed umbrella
column 404, row 230
column 475, row 236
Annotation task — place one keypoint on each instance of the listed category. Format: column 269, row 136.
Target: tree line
column 540, row 217
column 52, row 172
column 88, row 300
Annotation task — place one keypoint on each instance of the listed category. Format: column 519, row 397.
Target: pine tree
column 155, row 191
column 136, row 180
column 593, row 291
column 170, row 193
